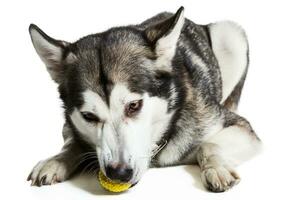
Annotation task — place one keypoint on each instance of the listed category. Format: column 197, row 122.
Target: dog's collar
column 159, row 147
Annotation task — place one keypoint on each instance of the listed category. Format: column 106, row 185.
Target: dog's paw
column 48, row 172
column 219, row 179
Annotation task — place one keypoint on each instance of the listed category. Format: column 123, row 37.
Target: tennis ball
column 110, row 185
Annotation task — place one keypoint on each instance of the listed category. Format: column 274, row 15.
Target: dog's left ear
column 164, row 36
column 54, row 53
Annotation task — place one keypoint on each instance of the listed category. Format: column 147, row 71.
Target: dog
column 161, row 93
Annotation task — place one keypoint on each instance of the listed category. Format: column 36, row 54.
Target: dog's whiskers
column 91, row 164
column 85, row 157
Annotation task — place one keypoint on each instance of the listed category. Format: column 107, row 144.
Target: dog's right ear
column 50, row 51
column 164, row 36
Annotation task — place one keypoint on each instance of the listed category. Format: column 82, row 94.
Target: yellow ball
column 110, row 185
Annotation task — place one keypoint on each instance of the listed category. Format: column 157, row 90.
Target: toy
column 110, row 185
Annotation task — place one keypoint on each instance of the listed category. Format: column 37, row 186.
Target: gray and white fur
column 166, row 84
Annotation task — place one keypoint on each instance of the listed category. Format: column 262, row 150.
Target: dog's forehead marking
column 121, row 94
column 95, row 104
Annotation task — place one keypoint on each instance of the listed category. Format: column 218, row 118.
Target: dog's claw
column 29, row 177
column 43, row 180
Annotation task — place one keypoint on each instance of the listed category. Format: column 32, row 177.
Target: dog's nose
column 119, row 173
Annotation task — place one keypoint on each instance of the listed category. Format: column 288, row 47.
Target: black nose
column 119, row 173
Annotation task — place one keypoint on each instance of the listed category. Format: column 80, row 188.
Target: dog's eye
column 133, row 107
column 89, row 117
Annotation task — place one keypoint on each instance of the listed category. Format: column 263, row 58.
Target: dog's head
column 117, row 89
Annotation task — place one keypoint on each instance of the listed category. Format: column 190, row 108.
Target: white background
column 31, row 115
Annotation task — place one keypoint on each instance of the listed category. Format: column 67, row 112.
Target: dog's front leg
column 218, row 154
column 59, row 167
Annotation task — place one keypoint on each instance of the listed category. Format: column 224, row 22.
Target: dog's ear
column 52, row 52
column 164, row 36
